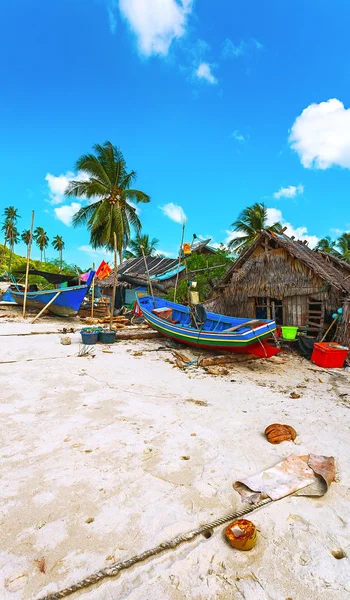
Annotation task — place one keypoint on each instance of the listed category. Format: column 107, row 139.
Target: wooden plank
column 241, row 325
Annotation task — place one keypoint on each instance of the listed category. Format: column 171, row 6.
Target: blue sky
column 215, row 105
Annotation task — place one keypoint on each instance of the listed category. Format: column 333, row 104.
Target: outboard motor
column 198, row 315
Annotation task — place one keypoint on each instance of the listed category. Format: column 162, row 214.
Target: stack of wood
column 101, row 308
column 119, row 322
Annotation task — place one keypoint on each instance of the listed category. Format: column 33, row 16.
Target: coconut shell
column 277, row 433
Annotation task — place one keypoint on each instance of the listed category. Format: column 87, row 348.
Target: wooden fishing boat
column 66, row 303
column 207, row 330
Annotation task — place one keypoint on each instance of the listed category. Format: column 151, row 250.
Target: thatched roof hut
column 280, row 278
column 132, row 277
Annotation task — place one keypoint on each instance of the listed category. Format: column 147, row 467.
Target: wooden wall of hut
column 276, row 275
column 343, row 329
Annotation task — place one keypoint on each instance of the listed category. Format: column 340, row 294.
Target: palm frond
column 136, row 196
column 88, row 189
column 133, row 217
column 239, row 241
column 85, row 213
column 127, row 180
column 89, row 164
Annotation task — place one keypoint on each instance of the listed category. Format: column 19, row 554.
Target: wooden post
column 180, row 255
column 114, row 281
column 27, row 267
column 93, row 293
column 46, row 306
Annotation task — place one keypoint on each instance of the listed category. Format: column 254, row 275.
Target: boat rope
column 117, row 567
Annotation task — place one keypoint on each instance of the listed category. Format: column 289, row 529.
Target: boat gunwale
column 52, row 291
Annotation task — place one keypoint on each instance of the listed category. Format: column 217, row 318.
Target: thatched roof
column 329, row 268
column 135, row 268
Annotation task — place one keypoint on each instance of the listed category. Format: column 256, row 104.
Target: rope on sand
column 116, row 568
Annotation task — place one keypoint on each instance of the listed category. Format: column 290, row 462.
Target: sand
column 104, row 457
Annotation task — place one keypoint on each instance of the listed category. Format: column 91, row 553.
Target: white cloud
column 289, row 192
column 66, row 213
column 258, row 45
column 238, row 136
column 58, row 185
column 231, row 235
column 321, row 135
column 336, row 231
column 174, row 212
column 231, row 50
column 203, row 71
column 156, row 23
column 112, row 9
column 166, row 254
column 96, row 253
column 300, row 233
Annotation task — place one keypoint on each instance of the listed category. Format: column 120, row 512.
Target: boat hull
column 66, row 304
column 248, row 340
column 61, row 311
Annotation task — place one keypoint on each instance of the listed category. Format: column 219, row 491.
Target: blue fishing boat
column 66, row 304
column 211, row 331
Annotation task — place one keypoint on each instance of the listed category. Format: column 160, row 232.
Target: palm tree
column 11, row 236
column 249, row 224
column 327, row 245
column 343, row 244
column 141, row 242
column 42, row 241
column 11, row 215
column 109, row 186
column 25, row 236
column 58, row 244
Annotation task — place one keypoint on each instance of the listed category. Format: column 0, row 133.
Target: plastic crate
column 329, row 355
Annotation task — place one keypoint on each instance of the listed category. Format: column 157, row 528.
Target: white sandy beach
column 104, row 457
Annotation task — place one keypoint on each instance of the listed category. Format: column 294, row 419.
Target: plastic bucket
column 289, row 333
column 106, row 337
column 89, row 337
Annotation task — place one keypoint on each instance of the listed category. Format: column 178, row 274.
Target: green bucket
column 289, row 333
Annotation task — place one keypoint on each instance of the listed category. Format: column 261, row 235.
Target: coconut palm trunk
column 10, row 257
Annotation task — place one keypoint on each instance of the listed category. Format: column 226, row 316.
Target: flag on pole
column 103, row 270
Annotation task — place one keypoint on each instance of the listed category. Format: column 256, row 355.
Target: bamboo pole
column 114, row 282
column 147, row 272
column 46, row 306
column 329, row 328
column 180, row 255
column 27, row 266
column 93, row 293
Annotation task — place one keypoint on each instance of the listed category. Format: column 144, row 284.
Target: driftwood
column 183, row 357
column 217, row 371
column 226, row 359
column 137, row 281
